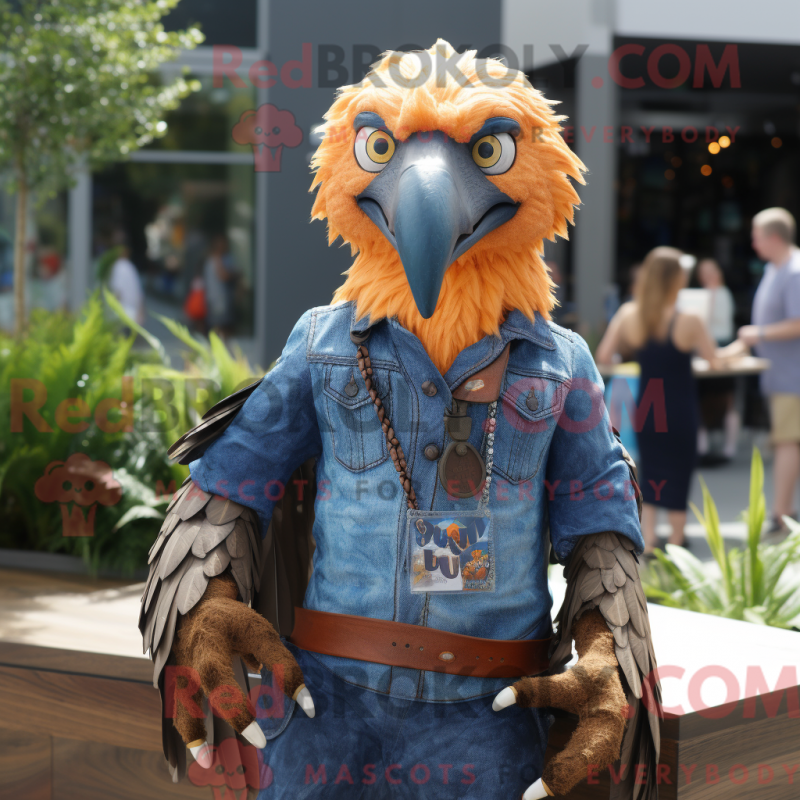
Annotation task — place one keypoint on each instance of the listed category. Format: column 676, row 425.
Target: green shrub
column 85, row 358
column 750, row 584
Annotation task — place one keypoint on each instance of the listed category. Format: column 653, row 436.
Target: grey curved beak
column 433, row 203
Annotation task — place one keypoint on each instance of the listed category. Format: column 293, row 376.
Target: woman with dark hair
column 650, row 330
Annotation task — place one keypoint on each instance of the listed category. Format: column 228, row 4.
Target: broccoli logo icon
column 75, row 484
column 267, row 130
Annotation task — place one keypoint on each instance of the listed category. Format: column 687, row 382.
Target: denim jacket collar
column 518, row 326
column 478, row 355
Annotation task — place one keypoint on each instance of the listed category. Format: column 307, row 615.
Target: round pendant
column 461, row 470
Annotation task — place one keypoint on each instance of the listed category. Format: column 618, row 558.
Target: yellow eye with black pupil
column 380, row 147
column 486, row 151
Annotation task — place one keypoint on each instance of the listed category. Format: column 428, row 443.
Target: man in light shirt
column 775, row 334
column 126, row 285
column 717, row 394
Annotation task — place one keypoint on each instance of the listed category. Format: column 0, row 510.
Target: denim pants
column 363, row 744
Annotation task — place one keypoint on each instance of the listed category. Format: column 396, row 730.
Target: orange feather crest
column 503, row 271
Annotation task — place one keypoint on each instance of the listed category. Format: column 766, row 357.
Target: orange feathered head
column 445, row 173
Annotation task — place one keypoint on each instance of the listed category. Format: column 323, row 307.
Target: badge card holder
column 451, row 552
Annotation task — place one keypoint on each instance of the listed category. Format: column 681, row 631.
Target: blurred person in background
column 717, row 395
column 775, row 335
column 125, row 283
column 651, row 331
column 220, row 278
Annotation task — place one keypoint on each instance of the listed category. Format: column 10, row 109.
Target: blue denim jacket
column 558, row 464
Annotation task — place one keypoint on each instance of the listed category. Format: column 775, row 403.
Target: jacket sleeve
column 275, row 432
column 594, row 528
column 588, row 481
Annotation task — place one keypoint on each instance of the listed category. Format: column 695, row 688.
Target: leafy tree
column 78, row 86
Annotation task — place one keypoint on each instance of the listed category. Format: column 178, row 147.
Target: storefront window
column 204, row 120
column 220, row 22
column 189, row 230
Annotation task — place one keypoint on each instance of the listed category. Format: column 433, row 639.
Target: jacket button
column 351, row 390
column 429, row 389
column 431, row 452
column 531, row 401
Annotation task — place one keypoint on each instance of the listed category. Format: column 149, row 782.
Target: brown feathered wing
column 204, row 535
column 603, row 574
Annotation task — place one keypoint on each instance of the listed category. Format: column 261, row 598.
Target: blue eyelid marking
column 497, row 125
column 372, row 120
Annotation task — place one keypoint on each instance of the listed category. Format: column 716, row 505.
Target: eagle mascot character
column 433, row 391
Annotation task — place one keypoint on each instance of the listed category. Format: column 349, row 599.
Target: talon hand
column 592, row 691
column 215, row 631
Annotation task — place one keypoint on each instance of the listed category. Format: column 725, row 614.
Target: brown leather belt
column 416, row 647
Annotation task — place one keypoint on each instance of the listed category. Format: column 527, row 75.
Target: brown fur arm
column 592, row 690
column 209, row 637
column 603, row 579
column 202, row 537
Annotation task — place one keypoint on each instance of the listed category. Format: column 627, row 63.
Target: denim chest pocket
column 529, row 409
column 357, row 438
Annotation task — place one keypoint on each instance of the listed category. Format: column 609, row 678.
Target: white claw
column 303, row 699
column 507, row 697
column 202, row 754
column 536, row 791
column 255, row 735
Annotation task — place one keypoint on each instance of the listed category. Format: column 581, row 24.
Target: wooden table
column 737, row 367
column 72, row 679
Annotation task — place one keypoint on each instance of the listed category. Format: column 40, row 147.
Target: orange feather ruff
column 415, row 92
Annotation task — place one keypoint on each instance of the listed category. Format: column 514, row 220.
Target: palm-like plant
column 754, row 584
column 84, row 360
column 210, row 372
column 180, row 397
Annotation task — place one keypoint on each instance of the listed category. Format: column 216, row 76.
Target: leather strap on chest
column 486, row 384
